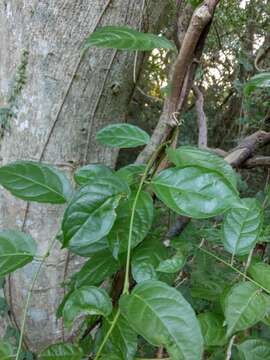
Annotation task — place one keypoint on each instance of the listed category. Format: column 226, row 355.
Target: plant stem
column 134, row 205
column 107, row 335
column 233, row 268
column 29, row 294
column 229, row 350
column 126, row 281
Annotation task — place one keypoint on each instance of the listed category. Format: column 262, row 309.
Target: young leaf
column 173, row 264
column 245, row 305
column 192, row 156
column 131, row 173
column 260, row 272
column 146, row 259
column 122, row 342
column 89, row 173
column 261, row 80
column 122, row 136
column 33, row 181
column 62, row 351
column 255, row 349
column 101, row 266
column 16, row 250
column 91, row 213
column 6, row 351
column 124, row 38
column 144, row 213
column 194, row 191
column 162, row 316
column 242, row 226
column 87, row 300
column 213, row 329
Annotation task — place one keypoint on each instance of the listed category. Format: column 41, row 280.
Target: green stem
column 134, row 205
column 126, row 282
column 30, row 291
column 233, row 268
column 108, row 334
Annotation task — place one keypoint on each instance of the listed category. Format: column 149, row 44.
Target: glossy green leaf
column 16, row 250
column 62, row 351
column 173, row 264
column 122, row 136
column 6, row 351
column 192, row 156
column 33, row 181
column 245, row 305
column 260, row 272
column 91, row 214
column 89, row 173
column 162, row 316
column 143, row 218
column 122, row 343
column 100, row 266
column 125, row 38
column 194, row 191
column 242, row 226
column 255, row 349
column 213, row 330
column 87, row 300
column 261, row 80
column 131, row 173
column 146, row 259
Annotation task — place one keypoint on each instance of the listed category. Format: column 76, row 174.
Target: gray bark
column 39, row 49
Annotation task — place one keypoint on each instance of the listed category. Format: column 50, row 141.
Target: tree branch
column 247, row 147
column 201, row 18
column 202, row 120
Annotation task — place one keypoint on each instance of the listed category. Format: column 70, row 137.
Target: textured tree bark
column 54, row 114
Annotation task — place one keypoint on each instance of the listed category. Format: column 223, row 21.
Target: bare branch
column 200, row 20
column 247, row 148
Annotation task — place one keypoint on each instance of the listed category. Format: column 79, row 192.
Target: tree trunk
column 52, row 114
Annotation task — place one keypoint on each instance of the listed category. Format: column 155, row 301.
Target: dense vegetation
column 176, row 243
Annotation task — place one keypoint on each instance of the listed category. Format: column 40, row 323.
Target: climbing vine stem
column 233, row 268
column 127, row 268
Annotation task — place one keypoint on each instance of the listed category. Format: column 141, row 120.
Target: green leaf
column 245, row 305
column 194, row 191
column 33, row 181
column 62, row 351
column 143, row 218
column 261, row 80
column 122, row 136
column 192, row 156
column 101, row 266
column 6, row 351
column 16, row 250
column 146, row 259
column 173, row 264
column 124, row 38
column 91, row 214
column 122, row 342
column 242, row 226
column 162, row 316
column 131, row 173
column 260, row 272
column 255, row 349
column 89, row 173
column 213, row 329
column 87, row 300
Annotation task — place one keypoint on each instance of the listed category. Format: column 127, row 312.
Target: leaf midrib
column 244, row 308
column 164, row 325
column 35, row 182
